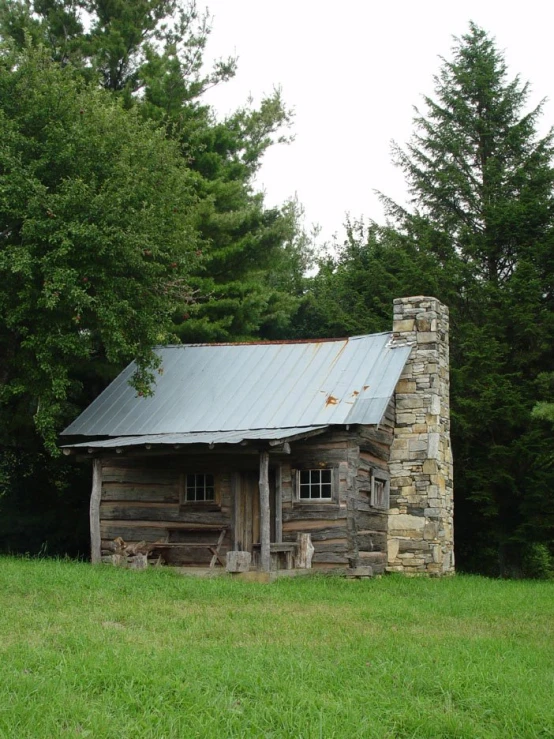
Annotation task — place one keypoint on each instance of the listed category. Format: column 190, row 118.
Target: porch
column 190, row 505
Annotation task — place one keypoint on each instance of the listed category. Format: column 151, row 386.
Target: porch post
column 96, row 494
column 264, row 512
column 279, row 504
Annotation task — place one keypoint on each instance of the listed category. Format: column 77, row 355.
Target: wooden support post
column 96, row 494
column 279, row 504
column 265, row 558
column 235, row 509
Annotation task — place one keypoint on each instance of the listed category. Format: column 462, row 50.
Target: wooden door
column 247, row 510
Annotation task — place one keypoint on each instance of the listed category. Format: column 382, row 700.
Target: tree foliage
column 96, row 235
column 130, row 46
column 150, row 53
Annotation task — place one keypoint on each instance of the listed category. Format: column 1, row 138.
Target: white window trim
column 314, row 501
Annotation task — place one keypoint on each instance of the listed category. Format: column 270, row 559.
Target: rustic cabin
column 329, row 454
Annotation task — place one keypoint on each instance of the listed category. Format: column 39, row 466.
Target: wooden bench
column 280, row 550
column 212, row 547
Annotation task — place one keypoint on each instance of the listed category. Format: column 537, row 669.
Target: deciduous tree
column 97, row 238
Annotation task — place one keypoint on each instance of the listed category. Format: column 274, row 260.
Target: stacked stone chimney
column 420, row 529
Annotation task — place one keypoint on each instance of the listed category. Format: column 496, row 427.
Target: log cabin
column 248, row 448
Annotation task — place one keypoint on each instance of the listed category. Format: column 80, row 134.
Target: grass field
column 107, row 653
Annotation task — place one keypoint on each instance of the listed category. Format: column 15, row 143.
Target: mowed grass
column 102, row 652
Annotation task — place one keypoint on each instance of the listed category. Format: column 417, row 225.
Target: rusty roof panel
column 206, row 437
column 252, row 386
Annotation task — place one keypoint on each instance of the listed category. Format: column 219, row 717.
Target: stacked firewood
column 133, row 555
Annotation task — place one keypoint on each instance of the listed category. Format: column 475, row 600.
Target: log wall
column 346, row 531
column 141, row 498
column 141, row 501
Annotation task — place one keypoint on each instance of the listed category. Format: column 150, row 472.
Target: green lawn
column 101, row 652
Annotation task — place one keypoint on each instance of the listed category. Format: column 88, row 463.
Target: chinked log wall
column 346, row 531
column 141, row 501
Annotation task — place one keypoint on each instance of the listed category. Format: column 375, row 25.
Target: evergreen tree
column 481, row 182
column 478, row 234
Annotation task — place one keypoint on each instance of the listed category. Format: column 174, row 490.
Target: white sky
column 352, row 71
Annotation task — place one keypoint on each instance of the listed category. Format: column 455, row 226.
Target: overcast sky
column 352, row 72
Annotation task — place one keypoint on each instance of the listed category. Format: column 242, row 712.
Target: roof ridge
column 271, row 342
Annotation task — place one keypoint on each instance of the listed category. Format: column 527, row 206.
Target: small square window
column 315, row 484
column 199, row 488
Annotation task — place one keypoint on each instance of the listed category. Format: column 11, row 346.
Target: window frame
column 334, row 482
column 183, row 501
column 382, row 477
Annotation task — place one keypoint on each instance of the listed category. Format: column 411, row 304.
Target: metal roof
column 232, row 387
column 207, row 437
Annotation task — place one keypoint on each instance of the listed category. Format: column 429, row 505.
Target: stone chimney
column 420, row 529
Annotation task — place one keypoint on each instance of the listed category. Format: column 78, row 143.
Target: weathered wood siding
column 346, row 531
column 141, row 497
column 326, row 522
column 141, row 501
column 371, row 524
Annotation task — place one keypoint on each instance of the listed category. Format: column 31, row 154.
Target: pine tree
column 481, row 184
column 477, row 233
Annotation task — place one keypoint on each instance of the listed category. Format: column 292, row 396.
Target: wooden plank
column 217, row 548
column 148, row 530
column 371, row 541
column 265, row 558
column 130, row 534
column 335, row 533
column 329, row 558
column 371, row 521
column 249, row 497
column 176, row 526
column 168, row 512
column 150, row 476
column 340, row 547
column 95, row 496
column 312, row 526
column 235, row 507
column 376, row 457
column 140, row 493
column 381, row 436
column 148, row 505
column 307, row 512
column 279, row 504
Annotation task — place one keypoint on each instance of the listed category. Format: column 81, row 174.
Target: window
column 315, row 484
column 380, row 490
column 199, row 487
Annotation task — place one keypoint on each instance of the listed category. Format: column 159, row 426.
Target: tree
column 481, row 184
column 150, row 53
column 478, row 234
column 97, row 237
column 211, row 261
column 127, row 45
column 357, row 281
